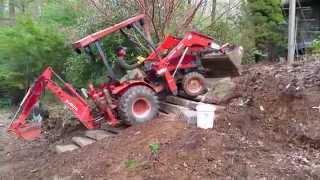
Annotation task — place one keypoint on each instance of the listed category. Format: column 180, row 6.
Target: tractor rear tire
column 193, row 84
column 138, row 105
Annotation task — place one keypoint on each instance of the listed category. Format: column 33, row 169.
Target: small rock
column 185, row 164
column 82, row 141
column 96, row 134
column 34, row 170
column 261, row 108
column 316, row 108
column 65, row 148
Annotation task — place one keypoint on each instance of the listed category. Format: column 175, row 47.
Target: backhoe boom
column 69, row 97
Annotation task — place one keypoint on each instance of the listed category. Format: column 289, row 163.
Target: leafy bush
column 62, row 12
column 315, row 47
column 266, row 16
column 5, row 102
column 79, row 70
column 241, row 34
column 26, row 49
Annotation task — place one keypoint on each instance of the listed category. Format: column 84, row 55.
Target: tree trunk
column 190, row 17
column 12, row 9
column 1, row 8
column 37, row 8
column 213, row 10
column 144, row 9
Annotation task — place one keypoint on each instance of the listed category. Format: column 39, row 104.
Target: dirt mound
column 282, row 98
column 270, row 131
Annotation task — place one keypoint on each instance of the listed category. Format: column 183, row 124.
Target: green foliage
column 256, row 27
column 315, row 48
column 79, row 71
column 237, row 30
column 26, row 49
column 266, row 16
column 154, row 148
column 221, row 30
column 62, row 12
column 35, row 42
column 131, row 164
column 5, row 102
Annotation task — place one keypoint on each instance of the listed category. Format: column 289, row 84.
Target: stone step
column 171, row 108
column 65, row 148
column 97, row 134
column 182, row 102
column 178, row 104
column 182, row 113
column 82, row 141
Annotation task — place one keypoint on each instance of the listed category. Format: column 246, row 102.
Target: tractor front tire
column 138, row 105
column 193, row 84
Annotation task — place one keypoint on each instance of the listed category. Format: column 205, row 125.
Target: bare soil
column 269, row 130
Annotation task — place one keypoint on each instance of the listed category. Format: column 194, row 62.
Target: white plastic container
column 205, row 115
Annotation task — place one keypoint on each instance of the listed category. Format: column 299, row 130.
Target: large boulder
column 220, row 90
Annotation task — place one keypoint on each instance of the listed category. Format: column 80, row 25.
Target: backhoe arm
column 70, row 98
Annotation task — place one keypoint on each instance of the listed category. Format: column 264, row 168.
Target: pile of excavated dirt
column 60, row 123
column 269, row 130
column 283, row 99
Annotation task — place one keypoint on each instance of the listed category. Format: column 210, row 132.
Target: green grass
column 154, row 148
column 131, row 163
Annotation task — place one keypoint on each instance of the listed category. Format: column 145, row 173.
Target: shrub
column 26, row 49
column 315, row 47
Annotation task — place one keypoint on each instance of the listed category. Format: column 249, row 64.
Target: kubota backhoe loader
column 175, row 64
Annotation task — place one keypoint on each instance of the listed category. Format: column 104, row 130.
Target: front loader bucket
column 30, row 131
column 222, row 65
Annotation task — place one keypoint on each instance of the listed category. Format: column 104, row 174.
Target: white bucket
column 205, row 115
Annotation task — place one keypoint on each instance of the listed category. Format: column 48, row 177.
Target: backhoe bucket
column 222, row 65
column 30, row 131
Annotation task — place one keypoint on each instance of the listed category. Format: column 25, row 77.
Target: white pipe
column 291, row 35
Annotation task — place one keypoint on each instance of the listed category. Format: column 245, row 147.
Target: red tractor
column 175, row 64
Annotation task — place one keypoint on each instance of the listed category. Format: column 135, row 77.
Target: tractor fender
column 119, row 90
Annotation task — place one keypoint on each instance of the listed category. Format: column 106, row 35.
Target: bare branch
column 192, row 14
